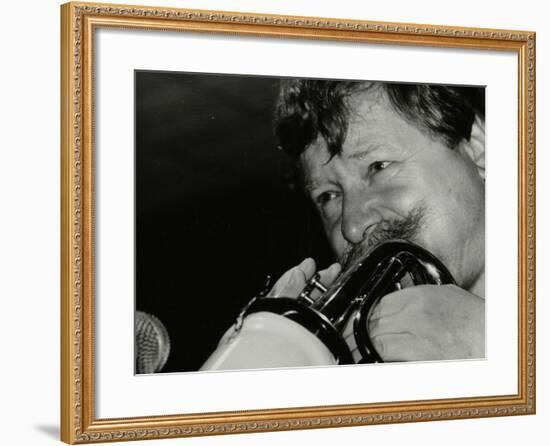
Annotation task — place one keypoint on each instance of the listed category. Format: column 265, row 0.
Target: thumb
column 291, row 283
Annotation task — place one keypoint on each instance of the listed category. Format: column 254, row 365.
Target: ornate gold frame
column 78, row 423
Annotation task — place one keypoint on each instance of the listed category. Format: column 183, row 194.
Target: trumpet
column 288, row 332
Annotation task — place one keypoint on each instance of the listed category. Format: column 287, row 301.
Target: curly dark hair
column 306, row 109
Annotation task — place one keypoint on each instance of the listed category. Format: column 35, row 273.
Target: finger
column 291, row 283
column 348, row 330
column 326, row 277
column 405, row 347
column 356, row 355
column 390, row 305
column 306, row 269
column 349, row 338
column 393, row 346
column 393, row 321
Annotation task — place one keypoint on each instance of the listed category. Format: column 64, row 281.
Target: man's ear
column 474, row 149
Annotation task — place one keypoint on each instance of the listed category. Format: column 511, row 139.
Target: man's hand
column 294, row 280
column 429, row 322
column 424, row 322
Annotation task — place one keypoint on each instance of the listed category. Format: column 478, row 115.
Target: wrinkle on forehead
column 361, row 106
column 368, row 110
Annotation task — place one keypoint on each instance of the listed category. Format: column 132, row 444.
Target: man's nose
column 357, row 216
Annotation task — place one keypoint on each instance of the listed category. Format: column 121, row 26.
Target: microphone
column 152, row 343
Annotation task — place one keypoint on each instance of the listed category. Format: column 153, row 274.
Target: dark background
column 216, row 209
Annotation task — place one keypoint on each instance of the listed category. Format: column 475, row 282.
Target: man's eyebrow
column 311, row 185
column 362, row 154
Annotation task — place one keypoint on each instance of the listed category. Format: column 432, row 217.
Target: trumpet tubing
column 289, row 332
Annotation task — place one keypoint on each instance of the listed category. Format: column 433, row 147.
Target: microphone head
column 152, row 343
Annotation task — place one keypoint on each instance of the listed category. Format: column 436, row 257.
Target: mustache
column 405, row 228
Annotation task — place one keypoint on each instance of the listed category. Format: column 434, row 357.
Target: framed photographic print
column 300, row 218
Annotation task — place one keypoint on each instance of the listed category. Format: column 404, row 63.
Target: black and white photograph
column 301, row 222
column 276, row 222
column 273, row 221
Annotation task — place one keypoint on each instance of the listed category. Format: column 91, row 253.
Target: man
column 385, row 161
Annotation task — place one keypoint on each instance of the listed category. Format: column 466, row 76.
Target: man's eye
column 325, row 197
column 377, row 166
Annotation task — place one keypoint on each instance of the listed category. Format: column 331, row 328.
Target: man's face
column 393, row 179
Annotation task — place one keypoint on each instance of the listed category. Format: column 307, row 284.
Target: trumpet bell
column 268, row 340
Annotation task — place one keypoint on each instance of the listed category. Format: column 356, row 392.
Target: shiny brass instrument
column 287, row 331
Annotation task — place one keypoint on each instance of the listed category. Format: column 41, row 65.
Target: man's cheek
column 335, row 238
column 402, row 198
column 391, row 199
